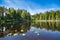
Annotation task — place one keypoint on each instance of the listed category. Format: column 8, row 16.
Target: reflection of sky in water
column 35, row 34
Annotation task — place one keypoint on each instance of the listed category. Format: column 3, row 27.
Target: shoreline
column 47, row 20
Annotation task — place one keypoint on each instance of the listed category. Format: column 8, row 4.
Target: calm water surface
column 33, row 31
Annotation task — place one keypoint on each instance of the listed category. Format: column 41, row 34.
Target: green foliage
column 48, row 15
column 14, row 15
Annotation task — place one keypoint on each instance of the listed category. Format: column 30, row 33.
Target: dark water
column 30, row 31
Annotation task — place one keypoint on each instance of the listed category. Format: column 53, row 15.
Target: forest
column 48, row 15
column 19, row 20
column 11, row 15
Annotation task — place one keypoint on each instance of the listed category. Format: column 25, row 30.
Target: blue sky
column 33, row 6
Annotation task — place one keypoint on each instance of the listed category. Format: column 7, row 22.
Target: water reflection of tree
column 14, row 28
column 47, row 25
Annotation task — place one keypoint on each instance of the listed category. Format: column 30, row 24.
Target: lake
column 30, row 31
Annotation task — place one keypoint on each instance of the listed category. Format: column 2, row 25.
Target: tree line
column 21, row 15
column 13, row 15
column 48, row 15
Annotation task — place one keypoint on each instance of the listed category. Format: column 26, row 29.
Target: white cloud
column 31, row 7
column 41, row 10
